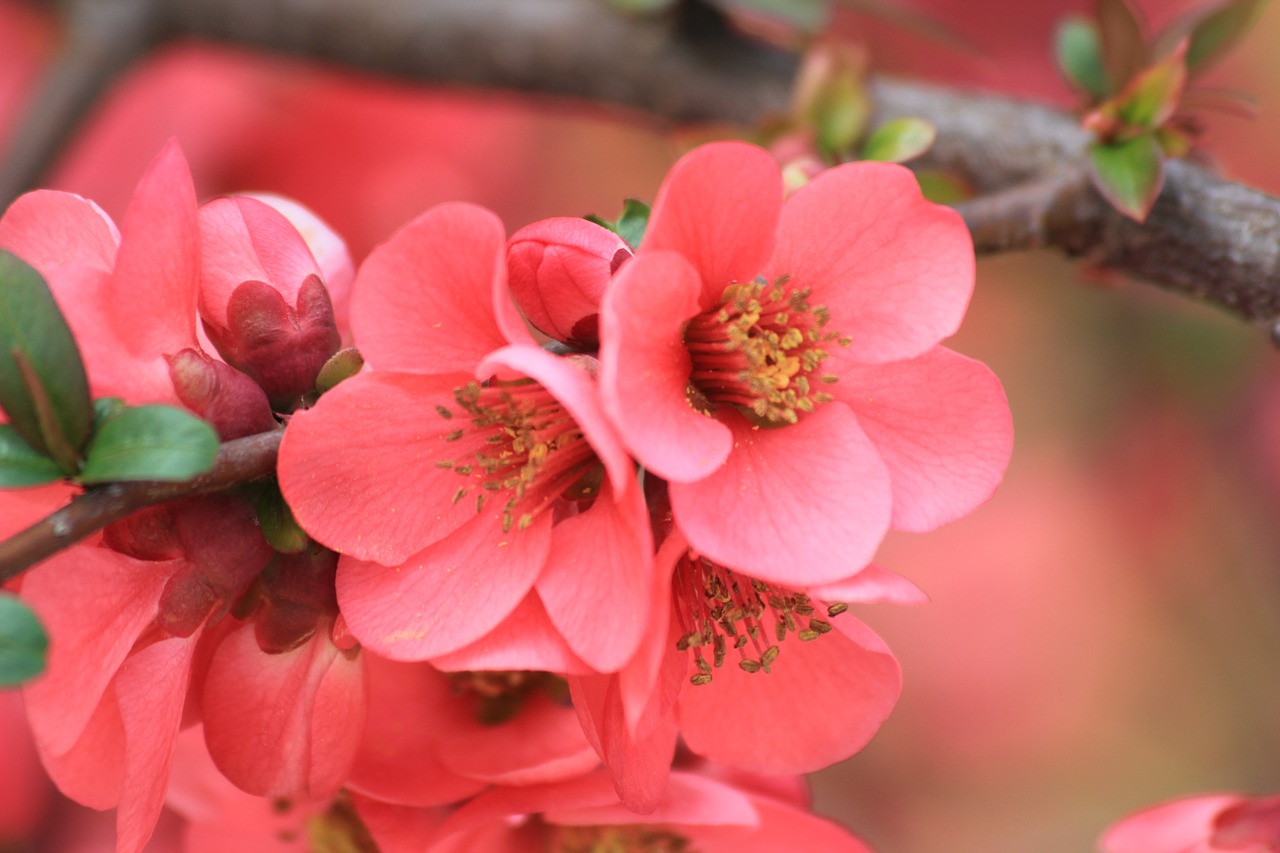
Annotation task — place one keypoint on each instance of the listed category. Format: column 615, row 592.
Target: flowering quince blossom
column 778, row 364
column 468, row 477
column 1211, row 823
column 138, row 614
column 699, row 813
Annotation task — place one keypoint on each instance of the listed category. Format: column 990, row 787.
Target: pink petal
column 285, row 724
column 719, row 208
column 691, row 800
column 359, row 471
column 799, row 505
column 526, row 639
column 48, row 229
column 821, row 703
column 942, row 426
column 397, row 829
column 424, row 300
column 153, row 291
column 91, row 770
column 1173, row 827
column 541, row 743
column 243, row 239
column 574, row 389
column 781, row 827
column 644, row 370
column 873, row 584
column 397, row 761
column 895, row 270
column 597, row 583
column 559, row 269
column 447, row 595
column 94, row 603
column 151, row 689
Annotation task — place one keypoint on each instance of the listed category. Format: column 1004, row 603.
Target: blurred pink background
column 1103, row 634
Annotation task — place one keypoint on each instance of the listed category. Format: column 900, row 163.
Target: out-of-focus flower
column 1211, row 823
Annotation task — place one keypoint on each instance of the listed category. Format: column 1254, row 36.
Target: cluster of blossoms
column 561, row 560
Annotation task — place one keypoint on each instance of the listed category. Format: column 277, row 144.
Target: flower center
column 499, row 695
column 616, row 839
column 719, row 610
column 528, row 450
column 338, row 830
column 761, row 349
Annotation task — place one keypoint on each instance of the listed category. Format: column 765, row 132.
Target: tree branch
column 1206, row 237
column 241, row 461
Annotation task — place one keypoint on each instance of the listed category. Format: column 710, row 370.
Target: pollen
column 529, row 451
column 724, row 615
column 762, row 349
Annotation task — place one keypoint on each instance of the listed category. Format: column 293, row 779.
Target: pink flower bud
column 558, row 271
column 233, row 403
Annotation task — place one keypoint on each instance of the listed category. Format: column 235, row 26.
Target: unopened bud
column 229, row 400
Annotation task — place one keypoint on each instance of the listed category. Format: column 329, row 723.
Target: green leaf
column 1124, row 41
column 1213, row 31
column 43, row 387
column 643, row 7
column 1152, row 97
column 23, row 642
column 21, row 464
column 633, row 222
column 1079, row 54
column 807, row 15
column 899, row 140
column 942, row 188
column 150, row 443
column 1129, row 174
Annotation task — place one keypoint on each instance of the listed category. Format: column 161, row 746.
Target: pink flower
column 750, row 674
column 1212, row 823
column 699, row 813
column 468, row 472
column 778, row 364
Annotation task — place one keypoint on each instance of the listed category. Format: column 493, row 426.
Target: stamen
column 756, row 349
column 529, row 449
column 635, row 838
column 718, row 609
column 499, row 695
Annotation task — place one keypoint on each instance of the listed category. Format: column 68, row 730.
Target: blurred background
column 1103, row 634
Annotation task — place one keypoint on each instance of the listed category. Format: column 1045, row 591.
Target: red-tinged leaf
column 1124, row 41
column 899, row 140
column 1078, row 50
column 43, row 388
column 914, row 21
column 1129, row 174
column 1213, row 31
column 1152, row 96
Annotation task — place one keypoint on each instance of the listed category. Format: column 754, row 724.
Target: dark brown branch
column 241, row 461
column 1206, row 236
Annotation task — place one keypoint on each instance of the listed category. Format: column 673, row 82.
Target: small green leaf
column 23, row 465
column 899, row 140
column 643, row 7
column 942, row 188
column 1152, row 97
column 342, row 365
column 276, row 520
column 1079, row 55
column 807, row 15
column 43, row 387
column 23, row 642
column 105, row 408
column 1214, row 31
column 1129, row 174
column 1124, row 41
column 633, row 222
column 150, row 443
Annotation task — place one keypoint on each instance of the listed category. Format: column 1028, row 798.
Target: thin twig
column 241, row 461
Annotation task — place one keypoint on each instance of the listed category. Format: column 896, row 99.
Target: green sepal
column 631, row 225
column 1129, row 174
column 899, row 140
column 24, row 645
column 1078, row 50
column 279, row 527
column 21, row 464
column 342, row 365
column 43, row 386
column 150, row 443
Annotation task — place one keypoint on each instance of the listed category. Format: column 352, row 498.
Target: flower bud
column 233, row 403
column 558, row 270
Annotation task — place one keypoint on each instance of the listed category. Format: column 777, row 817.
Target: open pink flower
column 778, row 363
column 751, row 675
column 1210, row 823
column 699, row 813
column 468, row 470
